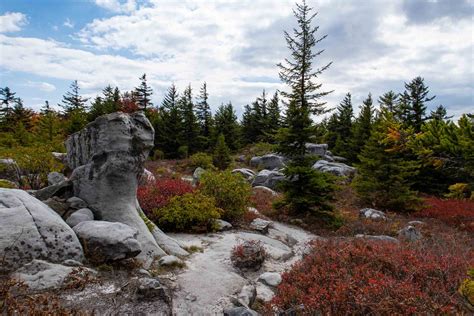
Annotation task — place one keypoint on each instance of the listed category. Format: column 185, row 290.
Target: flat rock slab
column 211, row 280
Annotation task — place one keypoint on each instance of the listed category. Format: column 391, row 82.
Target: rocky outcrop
column 108, row 158
column 269, row 161
column 268, row 178
column 29, row 230
column 317, row 149
column 248, row 174
column 105, row 242
column 336, row 168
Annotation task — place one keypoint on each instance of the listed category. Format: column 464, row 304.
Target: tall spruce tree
column 226, row 124
column 143, row 94
column 8, row 100
column 74, row 107
column 362, row 127
column 169, row 133
column 389, row 101
column 274, row 115
column 49, row 123
column 190, row 124
column 414, row 98
column 221, row 157
column 440, row 114
column 339, row 137
column 204, row 117
column 306, row 190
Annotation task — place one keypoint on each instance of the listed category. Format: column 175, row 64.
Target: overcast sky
column 375, row 46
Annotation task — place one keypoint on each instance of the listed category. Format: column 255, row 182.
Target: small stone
column 198, row 173
column 409, row 233
column 372, row 214
column 261, row 225
column 79, row 216
column 170, row 261
column 223, row 225
column 149, row 288
column 76, row 203
column 270, row 278
column 55, row 178
column 247, row 295
column 264, row 292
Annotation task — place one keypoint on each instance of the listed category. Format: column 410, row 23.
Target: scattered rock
column 378, row 238
column 197, row 174
column 240, row 311
column 63, row 189
column 248, row 174
column 317, row 149
column 270, row 278
column 264, row 292
column 260, row 188
column 269, row 161
column 76, row 203
column 55, row 178
column 106, row 241
column 223, row 225
column 247, row 295
column 82, row 215
column 150, row 289
column 372, row 214
column 409, row 233
column 336, row 168
column 170, row 261
column 29, row 230
column 268, row 178
column 58, row 205
column 260, row 225
column 42, row 275
column 253, row 210
column 147, row 178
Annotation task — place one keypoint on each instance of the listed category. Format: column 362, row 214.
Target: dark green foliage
column 8, row 100
column 362, row 128
column 204, row 118
column 49, row 126
column 226, row 124
column 413, row 103
column 339, row 136
column 143, row 94
column 75, row 111
column 190, row 124
column 305, row 189
column 221, row 157
column 440, row 114
column 384, row 175
column 109, row 102
column 389, row 102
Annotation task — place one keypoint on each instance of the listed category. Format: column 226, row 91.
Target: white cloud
column 12, row 22
column 116, row 6
column 68, row 23
column 43, row 86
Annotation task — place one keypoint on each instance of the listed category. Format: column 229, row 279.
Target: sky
column 234, row 46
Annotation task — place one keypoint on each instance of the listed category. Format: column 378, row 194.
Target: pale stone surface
column 372, row 214
column 269, row 161
column 268, row 178
column 248, row 174
column 55, row 178
column 336, row 168
column 82, row 215
column 261, row 225
column 170, row 261
column 29, row 230
column 270, row 278
column 409, row 233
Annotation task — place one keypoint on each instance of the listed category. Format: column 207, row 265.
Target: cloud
column 422, row 11
column 68, row 23
column 117, row 6
column 12, row 22
column 43, row 86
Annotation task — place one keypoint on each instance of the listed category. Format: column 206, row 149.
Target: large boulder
column 268, row 178
column 29, row 230
column 336, row 168
column 107, row 242
column 108, row 158
column 269, row 161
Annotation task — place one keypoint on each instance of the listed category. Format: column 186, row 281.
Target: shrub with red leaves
column 160, row 193
column 361, row 277
column 458, row 213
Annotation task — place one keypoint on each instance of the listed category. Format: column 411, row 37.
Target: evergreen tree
column 339, row 136
column 143, row 94
column 440, row 114
column 389, row 101
column 306, row 190
column 221, row 157
column 362, row 127
column 74, row 106
column 169, row 133
column 415, row 97
column 274, row 115
column 20, row 115
column 190, row 124
column 248, row 126
column 226, row 124
column 384, row 175
column 204, row 116
column 49, row 123
column 8, row 100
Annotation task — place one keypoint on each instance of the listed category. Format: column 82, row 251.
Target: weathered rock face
column 29, row 230
column 268, row 178
column 108, row 158
column 269, row 161
column 336, row 168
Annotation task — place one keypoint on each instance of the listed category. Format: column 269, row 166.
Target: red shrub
column 362, row 277
column 458, row 213
column 263, row 201
column 160, row 193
